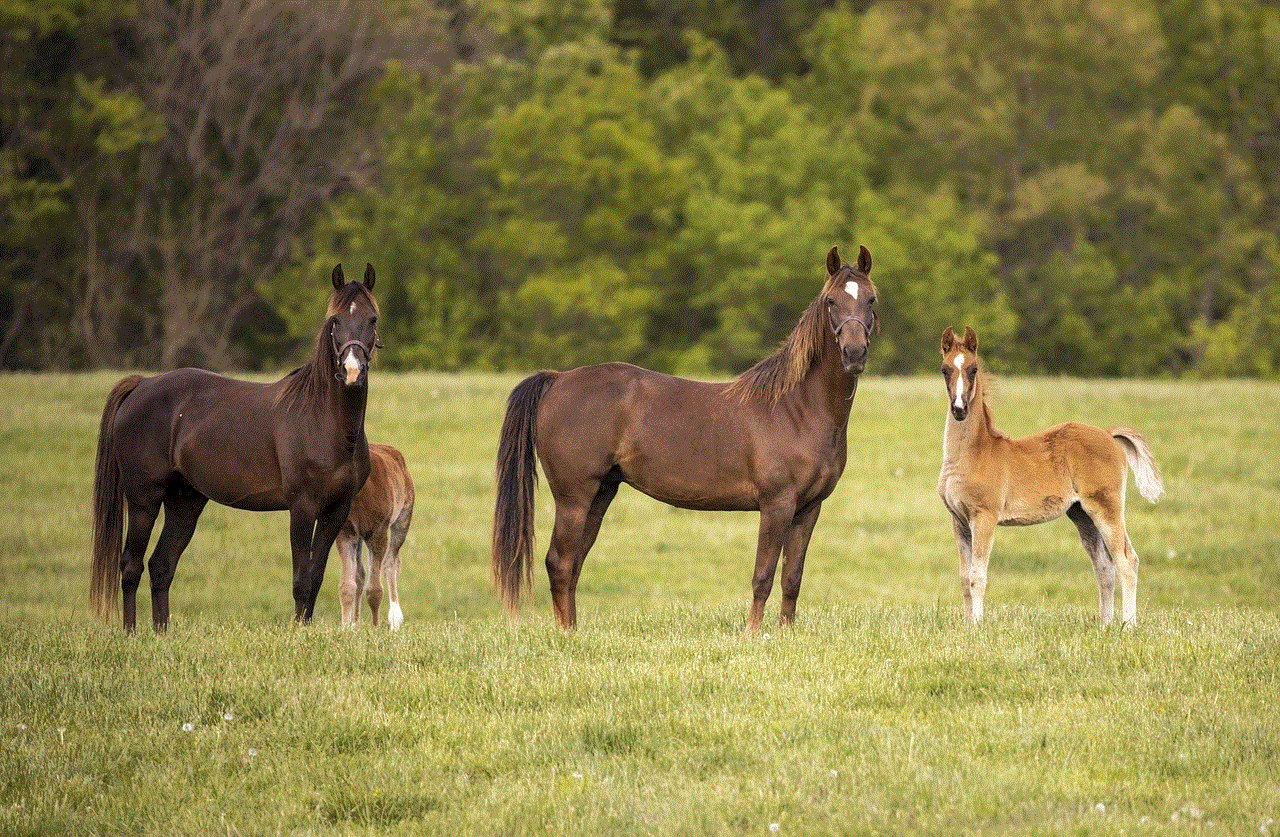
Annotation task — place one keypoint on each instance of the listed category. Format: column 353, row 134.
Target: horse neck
column 828, row 385
column 961, row 438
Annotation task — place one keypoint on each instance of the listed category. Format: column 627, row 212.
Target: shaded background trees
column 1094, row 185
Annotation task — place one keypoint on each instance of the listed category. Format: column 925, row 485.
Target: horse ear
column 970, row 339
column 948, row 340
column 368, row 276
column 864, row 259
column 338, row 280
column 833, row 261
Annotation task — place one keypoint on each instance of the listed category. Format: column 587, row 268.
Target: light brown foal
column 1075, row 469
column 380, row 517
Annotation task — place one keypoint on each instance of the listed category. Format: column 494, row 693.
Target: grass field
column 879, row 713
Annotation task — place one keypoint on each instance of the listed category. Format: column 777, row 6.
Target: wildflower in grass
column 227, row 716
column 774, row 828
column 834, row 774
column 251, row 752
column 1100, row 808
column 188, row 726
column 22, row 727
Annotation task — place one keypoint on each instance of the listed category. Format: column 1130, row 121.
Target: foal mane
column 777, row 374
column 305, row 384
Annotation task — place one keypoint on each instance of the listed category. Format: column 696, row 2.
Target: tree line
column 1092, row 184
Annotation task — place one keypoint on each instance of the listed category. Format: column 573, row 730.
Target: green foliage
column 1090, row 183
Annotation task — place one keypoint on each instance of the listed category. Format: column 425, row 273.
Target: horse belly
column 689, row 466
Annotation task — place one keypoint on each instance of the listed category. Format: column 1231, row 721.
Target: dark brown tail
column 517, row 480
column 108, row 509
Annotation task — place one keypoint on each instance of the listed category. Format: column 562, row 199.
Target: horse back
column 684, row 442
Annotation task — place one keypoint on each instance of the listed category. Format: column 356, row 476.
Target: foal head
column 850, row 307
column 960, row 369
column 352, row 327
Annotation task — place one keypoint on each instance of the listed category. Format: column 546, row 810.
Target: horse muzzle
column 353, row 364
column 854, row 358
column 959, row 413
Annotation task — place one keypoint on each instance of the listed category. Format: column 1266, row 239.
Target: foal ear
column 864, row 259
column 833, row 261
column 948, row 340
column 970, row 339
column 368, row 276
column 338, row 280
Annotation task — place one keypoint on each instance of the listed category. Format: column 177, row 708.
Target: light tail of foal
column 517, row 482
column 1146, row 473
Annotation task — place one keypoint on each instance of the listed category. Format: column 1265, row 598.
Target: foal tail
column 1146, row 473
column 108, row 509
column 517, row 479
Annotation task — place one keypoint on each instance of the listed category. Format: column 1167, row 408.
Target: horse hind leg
column 1104, row 568
column 352, row 576
column 398, row 530
column 182, row 508
column 1107, row 513
column 378, row 548
column 142, row 519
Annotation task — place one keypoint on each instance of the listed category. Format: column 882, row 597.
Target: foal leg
column 1104, row 568
column 391, row 567
column 775, row 521
column 377, row 555
column 1107, row 512
column 964, row 546
column 983, row 526
column 142, row 519
column 793, row 550
column 348, row 545
column 182, row 507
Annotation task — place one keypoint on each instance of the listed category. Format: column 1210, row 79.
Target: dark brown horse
column 185, row 437
column 772, row 440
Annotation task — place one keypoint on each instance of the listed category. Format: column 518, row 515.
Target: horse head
column 353, row 327
column 851, row 307
column 960, row 369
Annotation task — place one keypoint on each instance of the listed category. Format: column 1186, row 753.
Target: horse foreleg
column 793, row 550
column 775, row 520
column 964, row 546
column 1104, row 568
column 983, row 528
column 328, row 525
column 302, row 526
column 181, row 511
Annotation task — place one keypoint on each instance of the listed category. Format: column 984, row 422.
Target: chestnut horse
column 772, row 440
column 1075, row 469
column 182, row 438
column 380, row 517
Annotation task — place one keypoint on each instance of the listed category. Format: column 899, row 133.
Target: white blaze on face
column 352, row 366
column 851, row 288
column 959, row 365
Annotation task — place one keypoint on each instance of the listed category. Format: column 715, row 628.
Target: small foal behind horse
column 989, row 479
column 380, row 517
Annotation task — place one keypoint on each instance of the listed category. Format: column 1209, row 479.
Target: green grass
column 880, row 713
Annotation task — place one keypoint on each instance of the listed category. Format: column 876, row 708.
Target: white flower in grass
column 227, row 716
column 774, row 828
column 251, row 752
column 833, row 774
column 22, row 727
column 577, row 775
column 1100, row 808
column 188, row 726
column 1265, row 828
